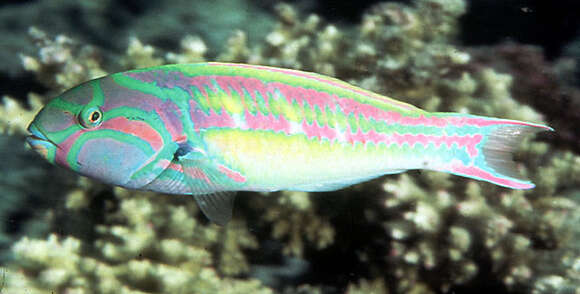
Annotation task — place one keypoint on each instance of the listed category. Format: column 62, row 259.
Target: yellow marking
column 232, row 104
column 267, row 158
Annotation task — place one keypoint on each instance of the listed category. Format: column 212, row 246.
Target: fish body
column 211, row 128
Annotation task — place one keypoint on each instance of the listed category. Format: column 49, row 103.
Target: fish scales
column 307, row 114
column 208, row 128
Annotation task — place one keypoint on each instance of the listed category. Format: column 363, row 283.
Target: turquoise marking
column 131, row 83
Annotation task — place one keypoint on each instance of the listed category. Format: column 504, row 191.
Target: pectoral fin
column 209, row 185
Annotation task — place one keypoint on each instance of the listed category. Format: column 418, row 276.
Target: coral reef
column 109, row 23
column 143, row 246
column 294, row 220
column 419, row 232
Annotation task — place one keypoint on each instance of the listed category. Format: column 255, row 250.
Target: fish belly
column 271, row 161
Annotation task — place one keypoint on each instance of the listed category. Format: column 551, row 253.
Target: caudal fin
column 493, row 160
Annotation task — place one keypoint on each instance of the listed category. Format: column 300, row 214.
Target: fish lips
column 40, row 143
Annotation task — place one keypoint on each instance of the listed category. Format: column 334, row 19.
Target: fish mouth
column 36, row 134
column 40, row 143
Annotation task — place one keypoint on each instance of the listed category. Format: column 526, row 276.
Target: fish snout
column 40, row 143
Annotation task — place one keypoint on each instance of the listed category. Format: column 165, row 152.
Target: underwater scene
column 368, row 145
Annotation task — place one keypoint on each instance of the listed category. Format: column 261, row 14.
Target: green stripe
column 128, row 82
column 62, row 104
column 60, row 136
column 165, row 153
column 98, row 94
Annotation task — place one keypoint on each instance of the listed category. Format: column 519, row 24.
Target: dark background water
column 553, row 25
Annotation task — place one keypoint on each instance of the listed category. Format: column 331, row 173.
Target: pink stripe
column 468, row 142
column 199, row 82
column 466, row 120
column 198, row 173
column 234, row 175
column 260, row 121
column 201, row 120
column 64, row 148
column 228, row 84
column 360, row 136
column 170, row 115
column 338, row 84
column 163, row 163
column 241, row 85
column 175, row 166
column 306, row 97
column 321, row 132
column 136, row 128
column 480, row 173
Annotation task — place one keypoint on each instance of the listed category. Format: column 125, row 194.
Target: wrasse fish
column 213, row 128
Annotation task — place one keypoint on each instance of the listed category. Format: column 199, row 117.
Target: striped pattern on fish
column 206, row 129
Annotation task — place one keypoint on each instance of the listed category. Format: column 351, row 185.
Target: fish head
column 89, row 130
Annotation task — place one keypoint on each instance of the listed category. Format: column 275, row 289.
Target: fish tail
column 490, row 158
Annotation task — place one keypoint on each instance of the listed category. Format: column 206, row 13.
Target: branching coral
column 149, row 243
column 368, row 287
column 295, row 221
column 61, row 63
column 14, row 118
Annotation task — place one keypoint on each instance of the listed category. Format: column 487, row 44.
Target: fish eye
column 91, row 117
